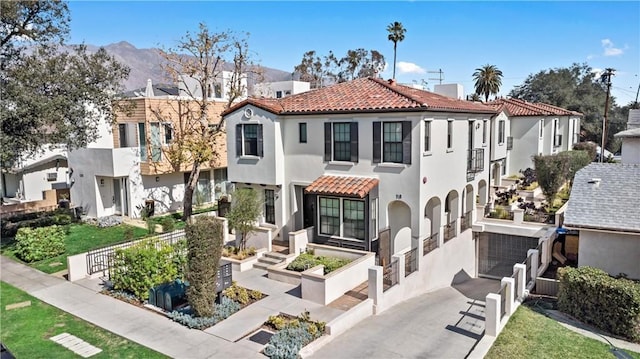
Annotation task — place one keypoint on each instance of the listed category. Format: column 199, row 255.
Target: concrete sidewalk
column 156, row 331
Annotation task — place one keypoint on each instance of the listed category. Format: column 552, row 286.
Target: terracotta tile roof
column 342, row 186
column 363, row 95
column 517, row 107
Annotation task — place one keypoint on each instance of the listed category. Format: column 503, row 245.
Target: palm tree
column 488, row 81
column 396, row 35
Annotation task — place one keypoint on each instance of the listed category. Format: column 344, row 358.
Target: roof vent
column 595, row 182
column 392, row 82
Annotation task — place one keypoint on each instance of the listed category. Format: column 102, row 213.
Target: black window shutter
column 260, row 141
column 238, row 140
column 327, row 141
column 354, row 141
column 406, row 142
column 377, row 145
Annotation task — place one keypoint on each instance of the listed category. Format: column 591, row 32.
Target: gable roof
column 363, row 95
column 631, row 133
column 517, row 107
column 613, row 204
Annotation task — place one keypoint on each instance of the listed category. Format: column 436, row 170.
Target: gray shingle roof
column 613, row 204
column 635, row 132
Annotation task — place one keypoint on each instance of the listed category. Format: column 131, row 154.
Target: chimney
column 449, row 90
column 392, row 82
column 148, row 91
column 634, row 119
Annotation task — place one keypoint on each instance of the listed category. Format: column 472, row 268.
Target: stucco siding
column 614, row 253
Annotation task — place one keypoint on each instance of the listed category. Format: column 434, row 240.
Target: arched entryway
column 483, row 192
column 468, row 205
column 451, row 212
column 497, row 172
column 433, row 222
column 399, row 215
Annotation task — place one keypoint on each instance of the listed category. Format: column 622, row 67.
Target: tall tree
column 396, row 34
column 245, row 209
column 50, row 95
column 576, row 88
column 329, row 69
column 488, row 80
column 196, row 65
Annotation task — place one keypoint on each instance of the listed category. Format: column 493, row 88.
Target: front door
column 309, row 210
column 117, row 196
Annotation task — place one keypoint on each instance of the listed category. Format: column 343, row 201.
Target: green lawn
column 26, row 331
column 530, row 334
column 81, row 238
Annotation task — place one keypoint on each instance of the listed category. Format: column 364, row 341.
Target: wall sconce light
column 102, row 181
column 398, row 196
column 157, row 179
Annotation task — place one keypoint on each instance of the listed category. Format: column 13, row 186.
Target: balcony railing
column 475, row 160
column 430, row 243
column 410, row 261
column 557, row 141
column 450, row 230
column 466, row 221
column 390, row 275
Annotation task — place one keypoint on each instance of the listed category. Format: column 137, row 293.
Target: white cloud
column 610, row 49
column 410, row 68
column 597, row 71
column 589, row 57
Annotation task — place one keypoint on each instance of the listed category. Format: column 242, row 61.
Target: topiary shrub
column 34, row 244
column 145, row 265
column 168, row 224
column 205, row 236
column 594, row 297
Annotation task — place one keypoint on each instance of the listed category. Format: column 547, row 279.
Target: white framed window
column 342, row 217
column 427, row 136
column 249, row 140
column 449, row 134
column 484, row 132
column 541, row 128
column 501, row 131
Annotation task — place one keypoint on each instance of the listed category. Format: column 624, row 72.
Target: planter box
column 241, row 265
column 324, row 289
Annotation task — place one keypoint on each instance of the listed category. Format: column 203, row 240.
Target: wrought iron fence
column 539, row 248
column 101, row 259
column 430, row 243
column 450, row 230
column 390, row 275
column 527, row 263
column 503, row 300
column 465, row 221
column 410, row 261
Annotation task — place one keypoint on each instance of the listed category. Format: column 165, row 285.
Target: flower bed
column 307, row 260
column 292, row 334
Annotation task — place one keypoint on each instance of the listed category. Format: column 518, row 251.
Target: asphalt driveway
column 443, row 324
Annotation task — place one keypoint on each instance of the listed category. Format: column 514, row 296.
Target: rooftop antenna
column 440, row 75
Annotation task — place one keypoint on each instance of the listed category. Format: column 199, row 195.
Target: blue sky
column 519, row 37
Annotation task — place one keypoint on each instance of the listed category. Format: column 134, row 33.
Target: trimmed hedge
column 594, row 297
column 9, row 226
column 35, row 244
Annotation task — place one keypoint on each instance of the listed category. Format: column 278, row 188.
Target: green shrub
column 147, row 264
column 168, row 224
column 308, row 260
column 205, row 236
column 34, row 244
column 240, row 294
column 594, row 297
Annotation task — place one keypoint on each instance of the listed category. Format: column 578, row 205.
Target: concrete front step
column 275, row 255
column 269, row 259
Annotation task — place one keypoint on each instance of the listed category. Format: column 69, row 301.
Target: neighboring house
column 368, row 164
column 631, row 138
column 533, row 129
column 132, row 164
column 27, row 179
column 605, row 208
column 280, row 89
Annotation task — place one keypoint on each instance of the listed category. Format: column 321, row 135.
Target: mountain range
column 147, row 64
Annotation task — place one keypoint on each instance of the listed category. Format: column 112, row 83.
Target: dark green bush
column 9, row 226
column 205, row 237
column 308, row 260
column 34, row 244
column 594, row 297
column 168, row 224
column 147, row 264
column 240, row 294
column 590, row 147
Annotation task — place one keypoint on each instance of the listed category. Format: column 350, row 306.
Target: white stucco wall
column 631, row 150
column 614, row 253
column 288, row 88
column 526, row 142
column 499, row 150
column 34, row 180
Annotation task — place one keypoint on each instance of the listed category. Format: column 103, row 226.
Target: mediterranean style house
column 526, row 129
column 367, row 164
column 134, row 163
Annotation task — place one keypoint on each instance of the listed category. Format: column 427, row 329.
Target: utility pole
column 440, row 75
column 606, row 78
